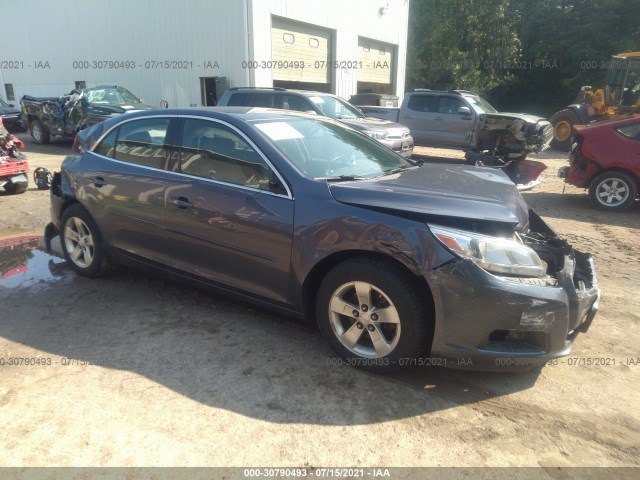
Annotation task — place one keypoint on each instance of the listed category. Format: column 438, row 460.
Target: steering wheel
column 333, row 163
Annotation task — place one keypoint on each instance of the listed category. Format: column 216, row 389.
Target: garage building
column 188, row 53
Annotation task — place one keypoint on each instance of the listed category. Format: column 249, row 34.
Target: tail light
column 575, row 149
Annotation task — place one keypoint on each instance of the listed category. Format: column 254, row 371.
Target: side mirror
column 11, row 105
column 464, row 111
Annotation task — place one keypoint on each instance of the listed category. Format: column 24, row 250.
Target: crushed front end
column 493, row 321
column 517, row 133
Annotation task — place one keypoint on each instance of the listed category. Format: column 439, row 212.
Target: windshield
column 325, row 149
column 334, row 107
column 481, row 105
column 623, row 81
column 111, row 95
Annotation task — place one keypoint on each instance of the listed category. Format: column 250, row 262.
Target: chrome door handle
column 181, row 202
column 99, row 182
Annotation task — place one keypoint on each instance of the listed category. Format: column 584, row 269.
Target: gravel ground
column 184, row 377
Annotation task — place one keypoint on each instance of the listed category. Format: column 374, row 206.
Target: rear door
column 224, row 221
column 420, row 116
column 123, row 186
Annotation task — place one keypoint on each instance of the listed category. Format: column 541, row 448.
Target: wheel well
column 320, row 270
column 635, row 177
column 67, row 204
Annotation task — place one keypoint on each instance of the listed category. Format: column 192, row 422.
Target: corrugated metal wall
column 54, row 44
column 197, row 33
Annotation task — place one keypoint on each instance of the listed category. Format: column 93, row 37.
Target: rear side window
column 215, row 151
column 631, row 131
column 252, row 99
column 106, row 146
column 238, row 100
column 143, row 142
column 291, row 102
column 423, row 103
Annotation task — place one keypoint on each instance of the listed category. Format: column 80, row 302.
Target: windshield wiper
column 415, row 161
column 344, row 178
column 401, row 169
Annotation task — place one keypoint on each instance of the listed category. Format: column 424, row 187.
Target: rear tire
column 14, row 188
column 373, row 315
column 613, row 191
column 39, row 133
column 82, row 243
column 563, row 123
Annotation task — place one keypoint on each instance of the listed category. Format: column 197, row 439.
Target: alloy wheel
column 78, row 242
column 364, row 319
column 612, row 192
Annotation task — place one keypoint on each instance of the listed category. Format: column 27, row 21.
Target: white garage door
column 291, row 43
column 375, row 67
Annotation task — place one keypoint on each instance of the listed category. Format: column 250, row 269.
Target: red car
column 605, row 158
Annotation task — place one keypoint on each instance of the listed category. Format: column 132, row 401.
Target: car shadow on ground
column 219, row 352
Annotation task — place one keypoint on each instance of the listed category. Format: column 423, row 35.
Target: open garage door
column 375, row 66
column 296, row 43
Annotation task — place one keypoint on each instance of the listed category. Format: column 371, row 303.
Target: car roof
column 244, row 113
column 462, row 93
column 609, row 123
column 305, row 93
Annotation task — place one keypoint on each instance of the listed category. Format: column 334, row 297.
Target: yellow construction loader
column 619, row 97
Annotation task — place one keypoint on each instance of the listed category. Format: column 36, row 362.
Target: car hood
column 519, row 116
column 455, row 191
column 112, row 108
column 9, row 111
column 369, row 123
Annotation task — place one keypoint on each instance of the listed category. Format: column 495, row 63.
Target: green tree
column 522, row 54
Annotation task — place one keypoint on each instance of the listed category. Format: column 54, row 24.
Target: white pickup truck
column 462, row 120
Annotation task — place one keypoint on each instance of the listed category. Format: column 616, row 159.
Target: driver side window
column 215, row 151
column 449, row 105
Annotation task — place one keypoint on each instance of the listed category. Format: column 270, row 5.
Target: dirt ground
column 137, row 371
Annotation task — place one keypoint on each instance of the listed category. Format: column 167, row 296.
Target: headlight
column 496, row 255
column 378, row 135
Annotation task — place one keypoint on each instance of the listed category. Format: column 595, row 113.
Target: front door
column 223, row 221
column 454, row 127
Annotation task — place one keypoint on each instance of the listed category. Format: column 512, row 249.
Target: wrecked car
column 462, row 120
column 66, row 115
column 11, row 117
column 604, row 158
column 400, row 263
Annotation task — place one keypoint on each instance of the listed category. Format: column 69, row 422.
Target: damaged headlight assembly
column 502, row 256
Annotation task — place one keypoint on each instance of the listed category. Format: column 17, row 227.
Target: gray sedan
column 400, row 263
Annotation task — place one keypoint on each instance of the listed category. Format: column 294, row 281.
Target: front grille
column 399, row 134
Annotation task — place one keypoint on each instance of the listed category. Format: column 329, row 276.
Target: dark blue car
column 400, row 263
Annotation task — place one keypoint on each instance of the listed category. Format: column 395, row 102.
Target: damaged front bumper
column 488, row 322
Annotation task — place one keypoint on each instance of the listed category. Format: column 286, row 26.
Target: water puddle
column 24, row 263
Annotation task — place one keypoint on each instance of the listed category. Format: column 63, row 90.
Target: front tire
column 82, row 243
column 39, row 133
column 563, row 122
column 613, row 191
column 373, row 315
